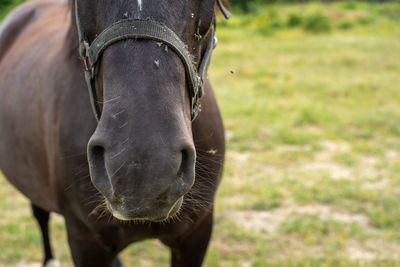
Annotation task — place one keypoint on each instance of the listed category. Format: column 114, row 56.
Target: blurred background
column 310, row 95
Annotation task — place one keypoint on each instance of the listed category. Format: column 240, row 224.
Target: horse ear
column 224, row 11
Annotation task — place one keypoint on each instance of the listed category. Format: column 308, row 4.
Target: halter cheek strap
column 148, row 30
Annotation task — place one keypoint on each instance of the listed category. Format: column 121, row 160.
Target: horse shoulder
column 24, row 144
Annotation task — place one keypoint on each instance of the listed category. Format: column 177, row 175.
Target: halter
column 148, row 30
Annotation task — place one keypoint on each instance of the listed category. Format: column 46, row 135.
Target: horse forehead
column 139, row 9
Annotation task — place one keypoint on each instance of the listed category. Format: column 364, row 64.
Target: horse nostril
column 97, row 153
column 186, row 170
column 98, row 171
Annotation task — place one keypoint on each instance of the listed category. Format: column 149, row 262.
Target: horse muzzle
column 154, row 212
column 146, row 181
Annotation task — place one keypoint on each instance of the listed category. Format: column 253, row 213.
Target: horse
column 100, row 122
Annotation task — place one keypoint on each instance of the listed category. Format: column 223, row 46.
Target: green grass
column 312, row 174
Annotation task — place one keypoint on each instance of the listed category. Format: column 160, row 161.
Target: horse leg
column 190, row 249
column 88, row 247
column 42, row 217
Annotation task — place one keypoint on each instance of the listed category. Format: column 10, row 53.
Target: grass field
column 310, row 96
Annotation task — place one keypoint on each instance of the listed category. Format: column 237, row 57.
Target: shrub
column 294, row 20
column 245, row 4
column 317, row 23
column 266, row 22
column 365, row 20
column 345, row 25
column 263, row 25
column 5, row 2
column 350, row 5
column 7, row 5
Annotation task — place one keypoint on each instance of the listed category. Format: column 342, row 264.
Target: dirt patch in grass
column 391, row 154
column 373, row 249
column 268, row 225
column 53, row 263
column 335, row 171
column 330, row 147
column 354, row 14
column 292, row 148
column 239, row 157
column 24, row 264
column 337, row 161
column 357, row 252
column 269, row 221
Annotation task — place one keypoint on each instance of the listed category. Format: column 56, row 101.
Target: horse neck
column 72, row 40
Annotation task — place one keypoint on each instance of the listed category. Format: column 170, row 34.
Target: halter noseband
column 148, row 30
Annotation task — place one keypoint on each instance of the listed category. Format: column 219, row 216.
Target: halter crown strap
column 151, row 30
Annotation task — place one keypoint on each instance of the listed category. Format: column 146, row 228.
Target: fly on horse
column 100, row 122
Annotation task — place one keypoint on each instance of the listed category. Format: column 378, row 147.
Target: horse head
column 142, row 155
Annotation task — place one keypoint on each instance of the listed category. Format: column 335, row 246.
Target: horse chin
column 125, row 214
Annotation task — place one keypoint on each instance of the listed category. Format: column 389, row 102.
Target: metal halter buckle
column 85, row 58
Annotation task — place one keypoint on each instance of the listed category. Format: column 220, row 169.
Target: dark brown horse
column 144, row 170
